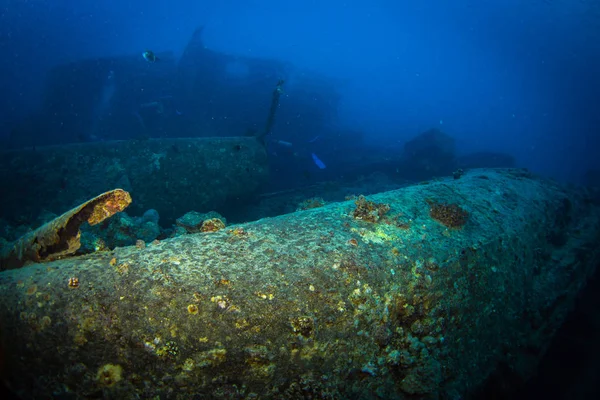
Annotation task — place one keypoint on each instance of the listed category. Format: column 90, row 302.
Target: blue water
column 512, row 76
column 375, row 94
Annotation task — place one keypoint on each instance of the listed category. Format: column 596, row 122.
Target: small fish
column 284, row 143
column 149, row 56
column 318, row 162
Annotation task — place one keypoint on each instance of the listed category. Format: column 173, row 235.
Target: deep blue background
column 519, row 76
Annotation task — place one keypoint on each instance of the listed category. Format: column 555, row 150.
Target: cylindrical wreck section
column 416, row 293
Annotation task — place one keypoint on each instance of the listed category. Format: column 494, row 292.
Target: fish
column 150, row 56
column 284, row 143
column 318, row 162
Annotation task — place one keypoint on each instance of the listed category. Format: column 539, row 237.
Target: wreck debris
column 113, row 165
column 272, row 111
column 60, row 237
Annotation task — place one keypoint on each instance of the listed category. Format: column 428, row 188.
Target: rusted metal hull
column 385, row 297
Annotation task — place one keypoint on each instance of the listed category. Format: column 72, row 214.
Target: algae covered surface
column 167, row 174
column 417, row 293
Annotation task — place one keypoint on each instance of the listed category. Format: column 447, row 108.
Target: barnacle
column 73, row 283
column 303, row 325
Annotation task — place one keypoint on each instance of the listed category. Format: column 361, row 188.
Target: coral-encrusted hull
column 381, row 297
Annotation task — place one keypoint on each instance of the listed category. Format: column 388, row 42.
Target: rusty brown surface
column 61, row 236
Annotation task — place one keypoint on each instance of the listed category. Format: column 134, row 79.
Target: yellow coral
column 109, row 374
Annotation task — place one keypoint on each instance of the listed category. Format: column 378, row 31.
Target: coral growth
column 193, row 222
column 121, row 230
column 368, row 210
column 450, row 215
column 109, row 374
column 238, row 232
column 303, row 326
column 107, row 205
column 73, row 283
column 212, row 225
column 313, row 202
